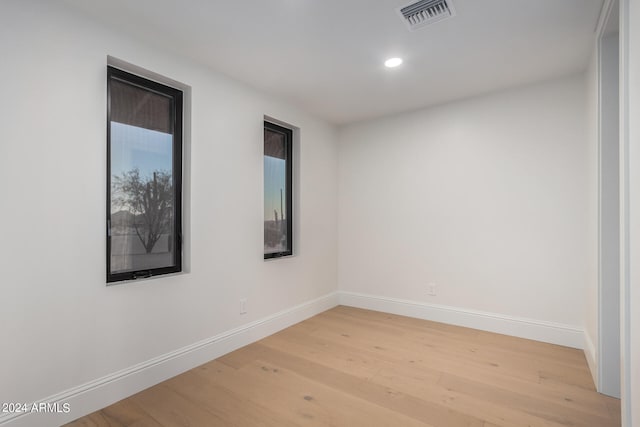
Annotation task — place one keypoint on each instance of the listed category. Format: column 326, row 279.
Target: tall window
column 144, row 177
column 278, row 219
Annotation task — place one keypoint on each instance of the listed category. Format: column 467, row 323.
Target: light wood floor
column 352, row 367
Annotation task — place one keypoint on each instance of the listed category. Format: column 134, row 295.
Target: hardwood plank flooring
column 353, row 367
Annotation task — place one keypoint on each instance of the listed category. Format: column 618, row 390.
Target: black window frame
column 288, row 141
column 176, row 96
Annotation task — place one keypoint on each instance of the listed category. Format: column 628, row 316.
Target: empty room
column 322, row 213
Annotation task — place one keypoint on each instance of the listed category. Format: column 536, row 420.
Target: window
column 144, row 177
column 278, row 218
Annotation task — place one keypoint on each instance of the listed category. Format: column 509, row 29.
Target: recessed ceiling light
column 392, row 62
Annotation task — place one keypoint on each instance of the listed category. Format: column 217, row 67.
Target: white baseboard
column 592, row 358
column 95, row 395
column 554, row 333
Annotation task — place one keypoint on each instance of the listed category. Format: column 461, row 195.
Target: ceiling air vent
column 419, row 14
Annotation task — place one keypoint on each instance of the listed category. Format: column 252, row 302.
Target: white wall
column 591, row 292
column 491, row 198
column 609, row 218
column 61, row 326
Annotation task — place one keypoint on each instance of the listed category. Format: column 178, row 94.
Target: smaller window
column 144, row 177
column 278, row 212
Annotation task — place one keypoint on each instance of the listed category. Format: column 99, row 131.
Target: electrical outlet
column 243, row 306
column 431, row 289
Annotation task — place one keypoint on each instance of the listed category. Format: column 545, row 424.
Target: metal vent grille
column 419, row 14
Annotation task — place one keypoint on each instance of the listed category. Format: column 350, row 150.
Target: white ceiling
column 327, row 55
